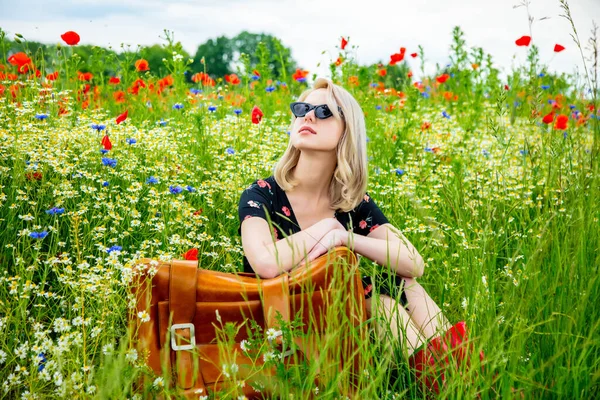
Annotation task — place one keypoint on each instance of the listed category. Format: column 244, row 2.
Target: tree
column 217, row 54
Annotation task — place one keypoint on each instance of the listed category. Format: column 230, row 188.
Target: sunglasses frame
column 313, row 107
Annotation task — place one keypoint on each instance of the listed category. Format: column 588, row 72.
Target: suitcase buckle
column 192, row 343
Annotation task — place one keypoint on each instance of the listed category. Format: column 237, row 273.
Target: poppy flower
column 106, row 143
column 413, row 55
column 233, row 79
column 300, row 75
column 548, row 118
column 397, row 57
column 191, row 254
column 339, row 61
column 558, row 48
column 84, row 76
column 122, row 117
column 344, row 43
column 119, row 96
column 523, row 41
column 409, row 74
column 442, row 78
column 561, row 122
column 71, row 38
column 382, row 72
column 474, row 65
column 257, row 115
column 53, row 76
column 21, row 61
column 142, row 65
column 114, row 80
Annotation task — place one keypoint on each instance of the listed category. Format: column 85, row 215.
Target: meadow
column 494, row 180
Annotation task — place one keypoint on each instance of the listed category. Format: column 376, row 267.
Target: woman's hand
column 333, row 238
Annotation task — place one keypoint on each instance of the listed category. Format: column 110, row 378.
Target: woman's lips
column 306, row 129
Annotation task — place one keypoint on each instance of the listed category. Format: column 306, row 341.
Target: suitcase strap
column 182, row 308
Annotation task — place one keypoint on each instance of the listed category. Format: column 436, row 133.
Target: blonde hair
column 349, row 181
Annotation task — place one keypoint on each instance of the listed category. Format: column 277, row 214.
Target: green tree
column 217, row 54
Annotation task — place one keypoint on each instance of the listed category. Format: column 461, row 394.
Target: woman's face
column 327, row 132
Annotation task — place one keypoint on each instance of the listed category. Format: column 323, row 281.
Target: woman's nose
column 310, row 115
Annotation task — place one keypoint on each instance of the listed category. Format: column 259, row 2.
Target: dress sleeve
column 368, row 216
column 253, row 201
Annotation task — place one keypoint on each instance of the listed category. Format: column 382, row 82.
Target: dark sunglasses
column 300, row 109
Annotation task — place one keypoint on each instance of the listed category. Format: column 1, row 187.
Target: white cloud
column 308, row 28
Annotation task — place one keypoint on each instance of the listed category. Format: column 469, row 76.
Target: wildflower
column 257, row 115
column 159, row 382
column 114, row 80
column 378, row 107
column 141, row 65
column 175, row 189
column 558, row 48
column 545, row 87
column 237, row 111
column 269, row 89
column 548, row 118
column 191, row 254
column 233, row 79
column 177, row 106
column 71, row 38
column 445, row 114
column 98, row 127
column 121, row 117
column 109, row 162
column 523, row 152
column 107, row 349
column 151, row 180
column 413, row 55
column 523, row 41
column 397, row 57
column 131, row 141
column 485, row 152
column 190, row 189
column 272, row 334
column 399, row 171
column 162, row 122
column 38, row 235
column 41, row 117
column 561, row 122
column 55, row 210
column 212, row 108
column 131, row 355
column 442, row 78
column 230, row 150
column 300, row 75
column 2, row 357
column 21, row 60
column 42, row 362
column 344, row 43
column 114, row 248
column 143, row 316
column 106, row 143
column 105, row 184
column 243, row 346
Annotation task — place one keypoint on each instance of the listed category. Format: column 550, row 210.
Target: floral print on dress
column 254, row 204
column 286, row 211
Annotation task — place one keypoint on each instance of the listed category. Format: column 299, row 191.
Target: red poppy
column 442, row 78
column 548, row 118
column 191, row 254
column 382, row 72
column 233, row 79
column 198, row 212
column 299, row 74
column 142, row 65
column 558, row 48
column 413, row 55
column 114, row 80
column 425, row 125
column 136, row 85
column 506, row 87
column 71, row 38
column 257, row 115
column 561, row 122
column 53, row 76
column 106, row 143
column 21, row 60
column 344, row 43
column 2, row 89
column 34, row 176
column 523, row 41
column 410, row 74
column 397, row 57
column 339, row 61
column 119, row 96
column 84, row 76
column 122, row 117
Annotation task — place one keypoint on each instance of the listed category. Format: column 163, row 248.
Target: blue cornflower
column 162, row 122
column 399, row 171
column 301, row 80
column 195, row 91
column 131, row 141
column 541, row 74
column 378, row 107
column 425, row 94
column 41, row 117
column 373, row 84
column 177, row 106
column 98, row 127
column 445, row 114
column 105, row 184
column 212, row 108
column 551, row 101
column 104, row 151
column 565, row 134
column 485, row 152
column 55, row 210
column 110, row 162
column 545, row 87
column 151, row 180
column 175, row 189
column 38, row 235
column 237, row 111
column 254, row 77
column 517, row 103
column 220, row 97
column 571, row 106
column 190, row 189
column 230, row 150
column 523, row 152
column 41, row 364
column 114, row 248
column 429, row 149
column 158, row 214
column 269, row 89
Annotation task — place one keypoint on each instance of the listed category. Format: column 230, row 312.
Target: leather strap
column 182, row 308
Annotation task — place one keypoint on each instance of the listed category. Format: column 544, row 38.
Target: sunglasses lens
column 299, row 109
column 323, row 112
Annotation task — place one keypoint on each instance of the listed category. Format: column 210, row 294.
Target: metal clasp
column 192, row 343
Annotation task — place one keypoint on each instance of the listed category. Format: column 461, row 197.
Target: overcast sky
column 309, row 27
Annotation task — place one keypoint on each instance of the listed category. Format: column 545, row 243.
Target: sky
column 312, row 28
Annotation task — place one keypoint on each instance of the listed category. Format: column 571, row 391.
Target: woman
column 317, row 196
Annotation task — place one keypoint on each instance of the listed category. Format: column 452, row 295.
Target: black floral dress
column 366, row 217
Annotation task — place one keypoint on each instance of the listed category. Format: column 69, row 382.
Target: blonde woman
column 317, row 195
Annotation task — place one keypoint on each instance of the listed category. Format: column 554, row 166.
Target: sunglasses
column 300, row 109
